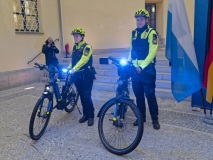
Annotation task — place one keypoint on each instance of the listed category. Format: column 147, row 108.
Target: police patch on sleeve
column 86, row 51
column 154, row 39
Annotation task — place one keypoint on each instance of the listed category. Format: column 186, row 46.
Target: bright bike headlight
column 123, row 62
column 64, row 70
column 47, row 88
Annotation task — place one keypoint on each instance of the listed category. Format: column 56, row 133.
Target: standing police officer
column 84, row 73
column 143, row 53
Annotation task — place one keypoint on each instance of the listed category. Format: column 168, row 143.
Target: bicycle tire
column 140, row 126
column 74, row 103
column 69, row 110
column 34, row 115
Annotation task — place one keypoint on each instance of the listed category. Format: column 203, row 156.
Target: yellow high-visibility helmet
column 142, row 13
column 78, row 31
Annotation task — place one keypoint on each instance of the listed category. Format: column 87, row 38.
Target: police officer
column 143, row 54
column 84, row 73
column 50, row 51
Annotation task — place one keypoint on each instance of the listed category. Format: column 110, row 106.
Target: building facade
column 26, row 24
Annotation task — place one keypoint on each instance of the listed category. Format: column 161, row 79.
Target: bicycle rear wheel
column 40, row 118
column 118, row 134
column 72, row 97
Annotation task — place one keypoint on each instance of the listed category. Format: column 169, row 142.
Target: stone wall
column 11, row 79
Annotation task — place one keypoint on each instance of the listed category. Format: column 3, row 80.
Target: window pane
column 20, row 22
column 16, row 6
column 31, row 23
column 30, row 8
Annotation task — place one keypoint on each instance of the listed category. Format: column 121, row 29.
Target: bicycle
column 117, row 115
column 66, row 99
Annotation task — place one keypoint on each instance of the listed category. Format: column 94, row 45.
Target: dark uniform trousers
column 145, row 83
column 84, row 85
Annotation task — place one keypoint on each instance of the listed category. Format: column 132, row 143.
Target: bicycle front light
column 47, row 88
column 123, row 62
column 64, row 70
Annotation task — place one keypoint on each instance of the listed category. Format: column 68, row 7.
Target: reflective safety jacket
column 144, row 46
column 81, row 56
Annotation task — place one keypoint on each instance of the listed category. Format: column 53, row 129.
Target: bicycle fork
column 49, row 109
column 119, row 110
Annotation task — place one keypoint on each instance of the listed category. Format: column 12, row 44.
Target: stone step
column 159, row 68
column 107, row 74
column 112, row 80
column 166, row 84
column 160, row 92
column 96, row 61
column 108, row 83
column 115, row 53
column 113, row 68
column 160, row 75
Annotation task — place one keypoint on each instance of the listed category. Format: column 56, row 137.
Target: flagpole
column 204, row 106
column 211, row 110
column 206, row 119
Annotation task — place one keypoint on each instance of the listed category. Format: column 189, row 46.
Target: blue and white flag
column 181, row 53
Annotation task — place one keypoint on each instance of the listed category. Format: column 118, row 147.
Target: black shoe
column 156, row 124
column 90, row 121
column 136, row 122
column 83, row 119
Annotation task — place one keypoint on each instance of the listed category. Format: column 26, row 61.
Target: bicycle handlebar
column 118, row 63
column 114, row 59
column 41, row 67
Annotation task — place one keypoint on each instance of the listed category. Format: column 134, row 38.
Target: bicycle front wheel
column 118, row 134
column 40, row 118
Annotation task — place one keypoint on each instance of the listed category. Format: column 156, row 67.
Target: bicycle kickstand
column 78, row 109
